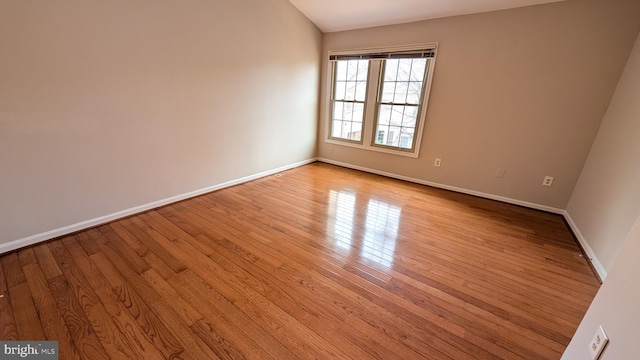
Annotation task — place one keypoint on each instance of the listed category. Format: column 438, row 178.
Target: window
column 350, row 87
column 378, row 98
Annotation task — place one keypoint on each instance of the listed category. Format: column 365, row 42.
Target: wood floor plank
column 215, row 307
column 134, row 341
column 87, row 343
column 47, row 262
column 12, row 269
column 49, row 313
column 89, row 240
column 136, row 304
column 186, row 311
column 8, row 331
column 137, row 228
column 110, row 336
column 132, row 241
column 194, row 347
column 120, row 246
column 319, row 262
column 27, row 320
column 26, row 257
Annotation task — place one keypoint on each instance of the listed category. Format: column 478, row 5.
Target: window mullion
column 371, row 103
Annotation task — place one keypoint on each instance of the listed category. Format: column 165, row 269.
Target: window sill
column 411, row 154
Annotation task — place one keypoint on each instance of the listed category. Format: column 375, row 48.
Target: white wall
column 523, row 89
column 109, row 105
column 615, row 307
column 606, row 200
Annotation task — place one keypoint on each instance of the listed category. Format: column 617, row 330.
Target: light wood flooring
column 318, row 262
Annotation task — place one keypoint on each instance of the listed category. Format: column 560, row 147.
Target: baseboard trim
column 69, row 229
column 591, row 256
column 65, row 230
column 447, row 187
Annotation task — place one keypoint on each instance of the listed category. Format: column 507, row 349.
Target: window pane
column 417, row 70
column 404, row 69
column 390, row 70
column 358, row 112
column 406, row 140
column 410, row 116
column 363, row 70
column 336, row 128
column 413, row 94
column 351, row 90
column 382, row 133
column 345, row 129
column 384, row 115
column 352, row 69
column 349, row 94
column 388, row 90
column 356, row 131
column 340, row 89
column 341, row 70
column 394, row 135
column 361, row 90
column 337, row 110
column 400, row 96
column 347, row 111
column 397, row 114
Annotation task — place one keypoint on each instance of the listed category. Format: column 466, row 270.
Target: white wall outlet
column 548, row 181
column 437, row 162
column 598, row 343
column 500, row 172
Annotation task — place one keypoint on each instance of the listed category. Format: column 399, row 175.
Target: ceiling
column 337, row 15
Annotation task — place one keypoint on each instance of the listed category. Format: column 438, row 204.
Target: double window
column 379, row 98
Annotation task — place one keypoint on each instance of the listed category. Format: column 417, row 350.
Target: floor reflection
column 341, row 210
column 381, row 231
column 377, row 241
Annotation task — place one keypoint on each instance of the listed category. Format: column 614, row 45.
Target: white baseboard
column 47, row 235
column 602, row 272
column 447, row 187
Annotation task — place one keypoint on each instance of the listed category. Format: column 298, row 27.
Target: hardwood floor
column 318, row 263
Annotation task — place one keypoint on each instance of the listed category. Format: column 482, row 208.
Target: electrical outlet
column 598, row 343
column 437, row 162
column 548, row 181
column 500, row 172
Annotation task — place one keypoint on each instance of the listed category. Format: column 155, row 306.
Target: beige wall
column 606, row 200
column 615, row 307
column 108, row 105
column 522, row 89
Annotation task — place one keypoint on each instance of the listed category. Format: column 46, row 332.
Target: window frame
column 332, row 101
column 373, row 93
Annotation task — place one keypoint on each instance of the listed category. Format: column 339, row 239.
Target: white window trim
column 367, row 140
